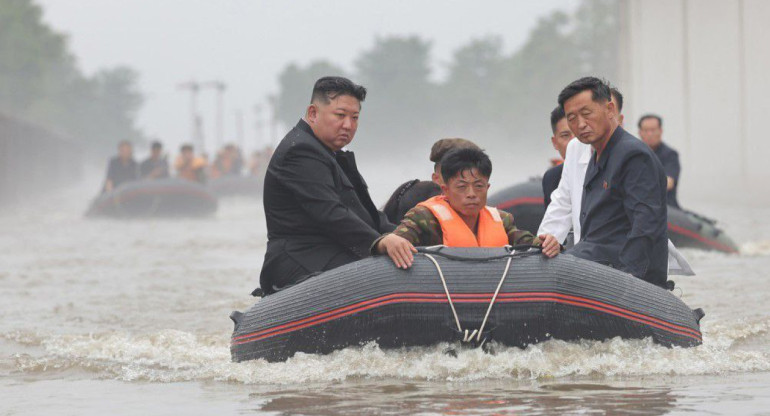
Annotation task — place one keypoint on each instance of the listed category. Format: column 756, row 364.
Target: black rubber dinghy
column 685, row 229
column 242, row 186
column 688, row 229
column 539, row 299
column 524, row 201
column 170, row 197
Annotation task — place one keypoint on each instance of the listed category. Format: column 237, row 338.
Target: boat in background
column 170, row 197
column 685, row 229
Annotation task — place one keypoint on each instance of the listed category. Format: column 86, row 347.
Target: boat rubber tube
column 371, row 300
column 685, row 229
column 171, row 197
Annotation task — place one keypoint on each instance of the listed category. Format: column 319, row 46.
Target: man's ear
column 312, row 114
column 553, row 143
column 611, row 109
column 444, row 188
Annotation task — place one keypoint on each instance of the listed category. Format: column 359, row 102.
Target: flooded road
column 132, row 317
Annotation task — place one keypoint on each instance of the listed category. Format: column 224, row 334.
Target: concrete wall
column 703, row 66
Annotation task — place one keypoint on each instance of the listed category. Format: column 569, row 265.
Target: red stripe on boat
column 466, row 298
column 527, row 200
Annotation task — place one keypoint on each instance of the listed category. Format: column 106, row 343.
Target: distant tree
column 295, row 85
column 472, row 89
column 488, row 95
column 597, row 36
column 33, row 59
column 537, row 72
column 400, row 98
column 40, row 82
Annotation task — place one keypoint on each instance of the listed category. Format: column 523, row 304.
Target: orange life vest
column 491, row 232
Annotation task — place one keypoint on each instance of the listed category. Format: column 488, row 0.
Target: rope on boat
column 468, row 336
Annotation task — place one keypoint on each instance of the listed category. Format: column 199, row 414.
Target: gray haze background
column 247, row 43
column 488, row 71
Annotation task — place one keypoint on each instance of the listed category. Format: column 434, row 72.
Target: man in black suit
column 623, row 213
column 651, row 132
column 317, row 206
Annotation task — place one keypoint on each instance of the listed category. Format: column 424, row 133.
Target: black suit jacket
column 551, row 179
column 318, row 210
column 623, row 213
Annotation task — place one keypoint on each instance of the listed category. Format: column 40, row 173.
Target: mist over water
column 107, row 306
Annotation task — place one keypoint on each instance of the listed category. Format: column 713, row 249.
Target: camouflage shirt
column 421, row 228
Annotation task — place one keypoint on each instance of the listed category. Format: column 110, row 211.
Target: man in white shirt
column 559, row 216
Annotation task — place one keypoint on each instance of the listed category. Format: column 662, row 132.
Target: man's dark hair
column 459, row 160
column 556, row 115
column 618, row 98
column 441, row 147
column 600, row 90
column 186, row 147
column 329, row 88
column 646, row 116
column 156, row 145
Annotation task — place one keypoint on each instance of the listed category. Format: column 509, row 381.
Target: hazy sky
column 247, row 43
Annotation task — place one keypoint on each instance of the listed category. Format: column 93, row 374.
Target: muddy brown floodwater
column 132, row 317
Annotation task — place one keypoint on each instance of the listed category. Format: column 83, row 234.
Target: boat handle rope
column 468, row 337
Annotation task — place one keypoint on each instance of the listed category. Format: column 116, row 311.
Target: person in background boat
column 156, row 165
column 563, row 209
column 460, row 216
column 190, row 167
column 410, row 193
column 623, row 212
column 121, row 168
column 317, row 206
column 560, row 139
column 259, row 160
column 228, row 162
column 651, row 132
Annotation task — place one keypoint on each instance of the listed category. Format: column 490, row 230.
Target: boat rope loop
column 469, row 335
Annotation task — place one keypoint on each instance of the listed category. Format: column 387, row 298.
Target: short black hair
column 186, row 147
column 650, row 115
column 462, row 159
column 556, row 115
column 600, row 90
column 618, row 98
column 329, row 88
column 156, row 145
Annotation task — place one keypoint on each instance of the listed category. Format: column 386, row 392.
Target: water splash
column 170, row 356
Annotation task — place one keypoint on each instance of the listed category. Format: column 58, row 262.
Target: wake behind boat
column 482, row 295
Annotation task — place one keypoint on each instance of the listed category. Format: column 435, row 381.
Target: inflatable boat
column 246, row 186
column 155, row 198
column 461, row 295
column 685, row 229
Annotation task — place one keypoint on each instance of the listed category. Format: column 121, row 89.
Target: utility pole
column 196, row 122
column 220, row 88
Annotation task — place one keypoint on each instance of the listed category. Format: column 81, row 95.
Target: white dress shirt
column 560, row 217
